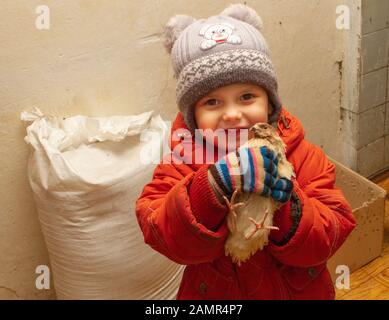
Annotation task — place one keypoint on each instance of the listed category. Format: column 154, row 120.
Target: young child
column 226, row 80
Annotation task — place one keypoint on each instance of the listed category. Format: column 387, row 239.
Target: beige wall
column 104, row 58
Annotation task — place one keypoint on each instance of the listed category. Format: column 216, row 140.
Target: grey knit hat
column 210, row 53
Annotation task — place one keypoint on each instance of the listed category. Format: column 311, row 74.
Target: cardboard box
column 368, row 203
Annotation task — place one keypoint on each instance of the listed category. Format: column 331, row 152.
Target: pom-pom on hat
column 207, row 54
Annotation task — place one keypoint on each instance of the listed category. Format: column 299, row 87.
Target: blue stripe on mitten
column 282, row 190
column 224, row 174
column 249, row 170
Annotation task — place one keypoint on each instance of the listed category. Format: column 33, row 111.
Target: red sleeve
column 326, row 218
column 169, row 223
column 205, row 205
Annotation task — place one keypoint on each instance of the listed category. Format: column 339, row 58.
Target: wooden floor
column 372, row 280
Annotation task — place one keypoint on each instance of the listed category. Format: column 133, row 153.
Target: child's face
column 238, row 106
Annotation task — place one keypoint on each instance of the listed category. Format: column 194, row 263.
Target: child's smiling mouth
column 237, row 131
column 237, row 135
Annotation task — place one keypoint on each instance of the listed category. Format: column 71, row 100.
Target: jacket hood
column 188, row 148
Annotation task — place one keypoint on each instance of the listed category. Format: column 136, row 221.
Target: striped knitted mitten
column 254, row 170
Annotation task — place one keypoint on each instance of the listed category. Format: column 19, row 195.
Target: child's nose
column 232, row 115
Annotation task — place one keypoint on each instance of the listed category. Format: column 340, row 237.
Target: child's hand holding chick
column 251, row 170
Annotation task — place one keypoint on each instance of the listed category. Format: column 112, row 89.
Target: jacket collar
column 188, row 148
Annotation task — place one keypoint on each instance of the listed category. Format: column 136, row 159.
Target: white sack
column 86, row 174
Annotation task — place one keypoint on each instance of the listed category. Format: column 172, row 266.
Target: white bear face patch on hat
column 215, row 34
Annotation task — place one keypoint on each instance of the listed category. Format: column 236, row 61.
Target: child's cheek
column 259, row 115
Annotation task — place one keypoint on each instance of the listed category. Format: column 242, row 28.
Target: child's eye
column 247, row 96
column 211, row 102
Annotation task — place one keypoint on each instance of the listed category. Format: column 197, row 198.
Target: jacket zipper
column 285, row 123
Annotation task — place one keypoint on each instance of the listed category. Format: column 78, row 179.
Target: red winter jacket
column 181, row 217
